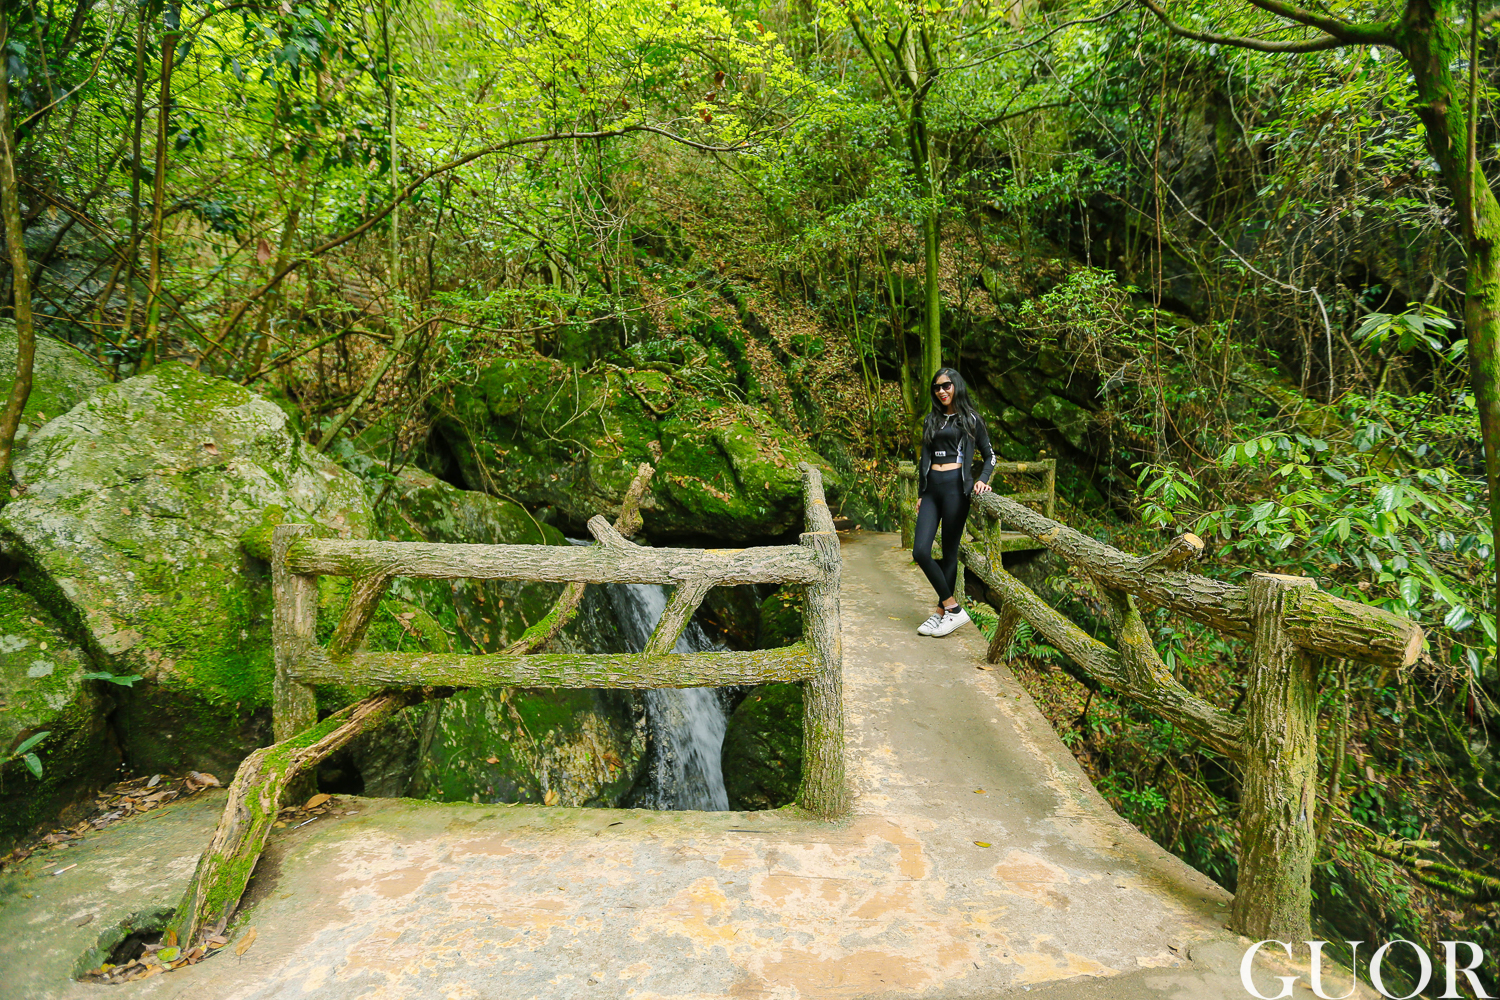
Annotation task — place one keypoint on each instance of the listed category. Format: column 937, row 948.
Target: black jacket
column 967, row 448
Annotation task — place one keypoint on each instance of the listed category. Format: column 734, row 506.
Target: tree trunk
column 1431, row 44
column 15, row 241
column 159, row 186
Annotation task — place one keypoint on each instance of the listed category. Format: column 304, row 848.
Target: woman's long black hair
column 968, row 417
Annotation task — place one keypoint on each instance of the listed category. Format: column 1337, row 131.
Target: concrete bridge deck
column 978, row 862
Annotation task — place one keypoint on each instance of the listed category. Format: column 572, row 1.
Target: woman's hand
column 980, row 487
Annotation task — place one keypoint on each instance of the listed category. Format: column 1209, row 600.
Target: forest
column 1233, row 264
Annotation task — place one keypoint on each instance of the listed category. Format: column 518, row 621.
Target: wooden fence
column 817, row 661
column 1291, row 627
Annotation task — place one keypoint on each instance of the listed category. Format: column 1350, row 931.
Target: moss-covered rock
column 61, row 377
column 550, row 436
column 569, row 748
column 763, row 748
column 781, row 618
column 128, row 528
column 583, row 746
column 42, row 689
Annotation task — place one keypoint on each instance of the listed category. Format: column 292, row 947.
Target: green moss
column 515, row 745
column 42, row 689
column 781, row 617
column 763, row 748
column 550, row 436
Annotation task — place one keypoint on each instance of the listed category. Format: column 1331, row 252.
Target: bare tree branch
column 467, row 158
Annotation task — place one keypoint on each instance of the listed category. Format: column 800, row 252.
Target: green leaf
column 1411, row 590
column 33, row 764
column 31, row 741
column 120, row 679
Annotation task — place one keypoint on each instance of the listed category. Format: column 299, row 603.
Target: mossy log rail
column 269, row 774
column 1288, row 622
column 560, row 670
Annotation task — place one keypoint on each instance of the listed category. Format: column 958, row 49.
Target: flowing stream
column 687, row 724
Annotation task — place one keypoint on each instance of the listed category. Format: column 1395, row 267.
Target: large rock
column 128, row 527
column 568, row 748
column 42, row 689
column 62, row 376
column 550, row 436
column 498, row 744
column 762, row 757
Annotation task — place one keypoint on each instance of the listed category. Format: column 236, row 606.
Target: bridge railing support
column 270, row 774
column 1286, row 619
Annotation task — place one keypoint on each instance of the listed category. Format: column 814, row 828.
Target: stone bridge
column 977, row 861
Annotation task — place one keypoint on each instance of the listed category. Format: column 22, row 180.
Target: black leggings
column 943, row 501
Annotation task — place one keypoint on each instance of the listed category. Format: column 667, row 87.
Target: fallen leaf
column 85, row 921
column 981, row 843
column 317, row 800
column 492, row 760
column 155, row 780
column 985, row 666
column 550, row 799
column 979, row 791
column 170, row 954
column 245, row 942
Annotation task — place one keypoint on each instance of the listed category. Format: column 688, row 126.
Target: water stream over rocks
column 686, row 724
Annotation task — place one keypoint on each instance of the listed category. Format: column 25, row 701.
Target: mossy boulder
column 581, row 746
column 568, row 748
column 547, row 435
column 482, row 615
column 61, row 377
column 781, row 618
column 1071, row 420
column 128, row 528
column 762, row 755
column 42, row 689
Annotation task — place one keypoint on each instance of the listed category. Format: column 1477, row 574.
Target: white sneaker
column 926, row 627
column 952, row 620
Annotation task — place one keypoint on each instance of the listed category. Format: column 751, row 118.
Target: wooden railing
column 1290, row 625
column 1040, row 476
column 297, row 561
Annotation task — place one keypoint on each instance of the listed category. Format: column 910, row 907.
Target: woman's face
column 942, row 390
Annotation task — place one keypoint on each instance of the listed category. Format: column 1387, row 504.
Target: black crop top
column 945, row 443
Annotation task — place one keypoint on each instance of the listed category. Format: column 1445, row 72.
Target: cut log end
column 1413, row 648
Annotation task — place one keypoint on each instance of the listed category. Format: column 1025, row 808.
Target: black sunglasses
column 943, row 386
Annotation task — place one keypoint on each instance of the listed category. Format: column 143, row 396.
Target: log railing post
column 824, row 790
column 906, row 493
column 294, row 626
column 1050, row 485
column 1273, row 896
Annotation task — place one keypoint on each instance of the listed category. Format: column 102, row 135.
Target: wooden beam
column 561, row 670
column 674, row 618
column 554, row 563
column 1183, row 549
column 1279, row 793
column 294, row 623
column 364, row 600
column 814, row 503
column 1154, row 689
column 1317, row 621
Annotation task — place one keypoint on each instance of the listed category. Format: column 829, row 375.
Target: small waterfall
column 687, row 724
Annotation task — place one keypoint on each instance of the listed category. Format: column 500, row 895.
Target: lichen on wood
column 824, row 789
column 633, row 671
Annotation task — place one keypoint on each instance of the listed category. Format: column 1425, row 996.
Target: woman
column 952, row 436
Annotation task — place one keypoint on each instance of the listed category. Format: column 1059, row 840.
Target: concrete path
column 978, row 862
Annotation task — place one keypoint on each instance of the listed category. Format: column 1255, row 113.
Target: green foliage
column 23, row 754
